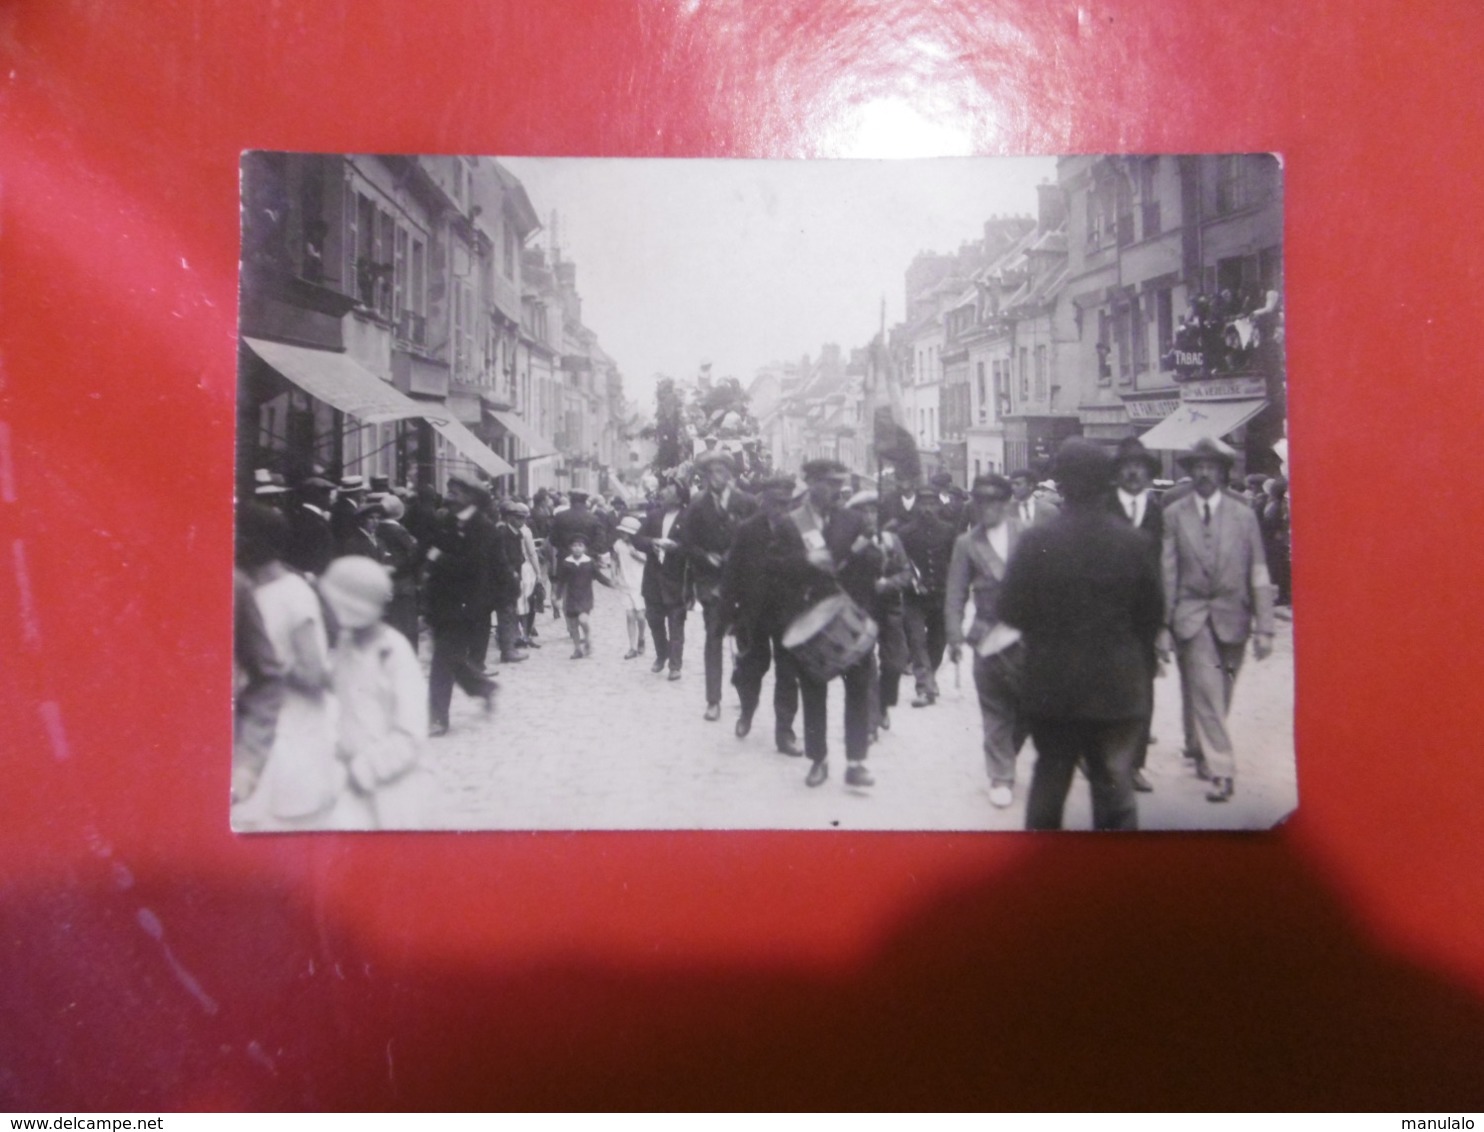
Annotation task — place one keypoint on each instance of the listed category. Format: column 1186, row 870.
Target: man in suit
column 1216, row 588
column 978, row 565
column 663, row 586
column 756, row 612
column 812, row 556
column 459, row 601
column 1085, row 594
column 1030, row 508
column 311, row 542
column 578, row 519
column 1134, row 470
column 950, row 501
column 710, row 525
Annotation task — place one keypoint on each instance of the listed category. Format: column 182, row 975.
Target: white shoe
column 1001, row 795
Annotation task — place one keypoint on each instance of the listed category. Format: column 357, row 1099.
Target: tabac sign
column 1224, row 389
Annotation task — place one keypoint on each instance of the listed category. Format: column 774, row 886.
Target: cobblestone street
column 603, row 743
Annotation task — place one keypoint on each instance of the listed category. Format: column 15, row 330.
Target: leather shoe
column 1142, row 784
column 1221, row 790
column 437, row 730
column 658, row 666
column 744, row 724
column 512, row 658
column 674, row 674
column 817, row 773
column 924, row 699
column 1001, row 795
column 788, row 745
column 856, row 774
column 713, row 712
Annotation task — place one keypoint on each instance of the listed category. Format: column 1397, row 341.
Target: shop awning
column 537, row 447
column 343, row 383
column 471, row 446
column 1195, row 419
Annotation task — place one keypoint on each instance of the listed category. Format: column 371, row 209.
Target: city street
column 603, row 743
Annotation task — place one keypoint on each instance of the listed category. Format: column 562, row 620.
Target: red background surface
column 151, row 960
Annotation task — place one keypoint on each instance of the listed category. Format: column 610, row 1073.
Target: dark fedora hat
column 1132, row 448
column 1081, row 467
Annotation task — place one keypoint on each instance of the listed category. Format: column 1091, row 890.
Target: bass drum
column 830, row 637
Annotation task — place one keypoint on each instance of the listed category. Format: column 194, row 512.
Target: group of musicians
column 818, row 583
column 764, row 566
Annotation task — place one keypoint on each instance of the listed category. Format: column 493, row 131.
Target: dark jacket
column 663, row 584
column 749, row 601
column 578, row 520
column 799, row 584
column 311, row 545
column 507, row 557
column 709, row 529
column 1152, row 524
column 929, row 544
column 1085, row 593
column 458, row 588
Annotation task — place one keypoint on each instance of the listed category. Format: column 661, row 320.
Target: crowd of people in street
column 1068, row 591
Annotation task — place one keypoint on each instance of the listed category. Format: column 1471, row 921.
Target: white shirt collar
column 1214, row 501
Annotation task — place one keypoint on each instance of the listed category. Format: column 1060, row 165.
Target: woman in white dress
column 301, row 778
column 628, row 569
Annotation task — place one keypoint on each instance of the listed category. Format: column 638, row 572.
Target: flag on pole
column 892, row 441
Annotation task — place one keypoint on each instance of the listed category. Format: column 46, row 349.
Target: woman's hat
column 357, row 589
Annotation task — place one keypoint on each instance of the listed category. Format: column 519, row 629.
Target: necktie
column 1133, row 511
column 1206, row 514
column 1025, row 513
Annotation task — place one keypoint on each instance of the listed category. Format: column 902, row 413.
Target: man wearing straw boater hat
column 1084, row 592
column 1218, row 594
column 809, row 560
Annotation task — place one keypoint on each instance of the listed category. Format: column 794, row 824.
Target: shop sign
column 1151, row 410
column 1224, row 389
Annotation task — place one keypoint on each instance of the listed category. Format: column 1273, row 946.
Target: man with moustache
column 1218, row 595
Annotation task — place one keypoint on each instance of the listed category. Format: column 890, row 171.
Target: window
column 1122, row 342
column 1233, row 191
column 1164, row 315
column 1040, row 373
column 508, row 265
column 1149, row 219
column 983, row 394
column 1103, row 349
column 1025, row 374
column 399, row 275
column 1140, row 324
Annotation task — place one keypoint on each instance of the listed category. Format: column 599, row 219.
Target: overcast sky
column 741, row 263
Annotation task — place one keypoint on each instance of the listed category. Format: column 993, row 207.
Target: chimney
column 1051, row 202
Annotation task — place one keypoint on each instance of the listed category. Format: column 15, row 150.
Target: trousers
column 998, row 681
column 713, row 650
column 761, row 649
column 922, row 620
column 454, row 645
column 815, row 695
column 667, row 627
column 1209, row 668
column 1107, row 749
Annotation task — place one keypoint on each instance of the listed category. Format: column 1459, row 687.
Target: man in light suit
column 1216, row 588
column 978, row 564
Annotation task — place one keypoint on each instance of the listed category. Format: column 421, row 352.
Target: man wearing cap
column 949, row 500
column 1134, row 470
column 269, row 488
column 809, row 559
column 508, row 555
column 980, row 557
column 756, row 610
column 459, row 603
column 1085, row 594
column 311, row 544
column 1218, row 594
column 711, row 523
column 876, row 578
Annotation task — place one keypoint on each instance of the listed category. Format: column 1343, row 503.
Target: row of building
column 1142, row 300
column 399, row 318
